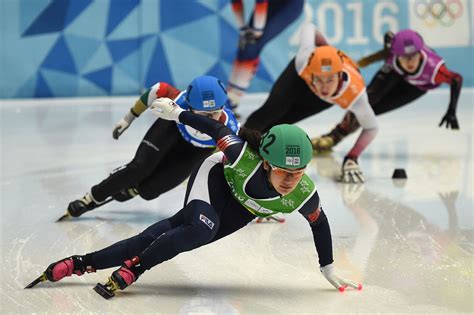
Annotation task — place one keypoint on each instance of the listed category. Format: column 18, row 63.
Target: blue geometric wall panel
column 82, row 49
column 147, row 51
column 121, row 76
column 60, row 58
column 217, row 70
column 186, row 68
column 100, row 59
column 74, row 9
column 194, row 11
column 129, row 26
column 29, row 11
column 101, row 77
column 129, row 66
column 158, row 69
column 60, row 83
column 56, row 16
column 118, row 12
column 92, row 22
column 27, row 89
column 119, row 47
column 42, row 88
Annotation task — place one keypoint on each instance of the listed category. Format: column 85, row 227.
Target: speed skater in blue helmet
column 206, row 93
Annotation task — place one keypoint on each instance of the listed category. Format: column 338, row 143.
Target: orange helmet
column 325, row 60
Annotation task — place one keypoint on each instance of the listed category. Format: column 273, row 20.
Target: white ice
column 409, row 242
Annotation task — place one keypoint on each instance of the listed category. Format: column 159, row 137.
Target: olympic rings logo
column 444, row 12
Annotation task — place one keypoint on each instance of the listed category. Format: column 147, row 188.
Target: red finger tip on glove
column 343, row 288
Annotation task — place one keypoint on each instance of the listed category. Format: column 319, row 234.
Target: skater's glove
column 122, row 125
column 450, row 119
column 351, row 172
column 387, row 40
column 336, row 280
column 166, row 108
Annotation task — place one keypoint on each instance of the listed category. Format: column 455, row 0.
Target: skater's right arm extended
column 229, row 143
column 160, row 89
column 366, row 118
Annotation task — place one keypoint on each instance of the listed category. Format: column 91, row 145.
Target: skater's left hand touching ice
column 166, row 108
column 450, row 119
column 336, row 280
column 122, row 125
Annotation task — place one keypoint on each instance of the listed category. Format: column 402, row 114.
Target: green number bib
column 238, row 175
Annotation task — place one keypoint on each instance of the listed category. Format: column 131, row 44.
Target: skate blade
column 103, row 291
column 63, row 217
column 36, row 281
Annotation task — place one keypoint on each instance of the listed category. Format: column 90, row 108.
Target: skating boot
column 78, row 207
column 121, row 278
column 323, row 143
column 61, row 269
column 326, row 142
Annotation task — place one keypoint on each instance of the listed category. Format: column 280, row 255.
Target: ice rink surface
column 409, row 242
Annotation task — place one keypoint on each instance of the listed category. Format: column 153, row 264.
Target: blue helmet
column 206, row 93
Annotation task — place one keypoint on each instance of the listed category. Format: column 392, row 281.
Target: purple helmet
column 406, row 42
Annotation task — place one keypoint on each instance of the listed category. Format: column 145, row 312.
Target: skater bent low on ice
column 253, row 176
column 169, row 151
column 411, row 69
column 318, row 77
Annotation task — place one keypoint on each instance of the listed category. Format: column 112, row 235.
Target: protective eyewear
column 409, row 56
column 283, row 171
column 208, row 113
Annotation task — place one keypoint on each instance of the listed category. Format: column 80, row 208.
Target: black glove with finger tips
column 450, row 120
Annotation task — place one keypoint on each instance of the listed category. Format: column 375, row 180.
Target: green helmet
column 286, row 146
